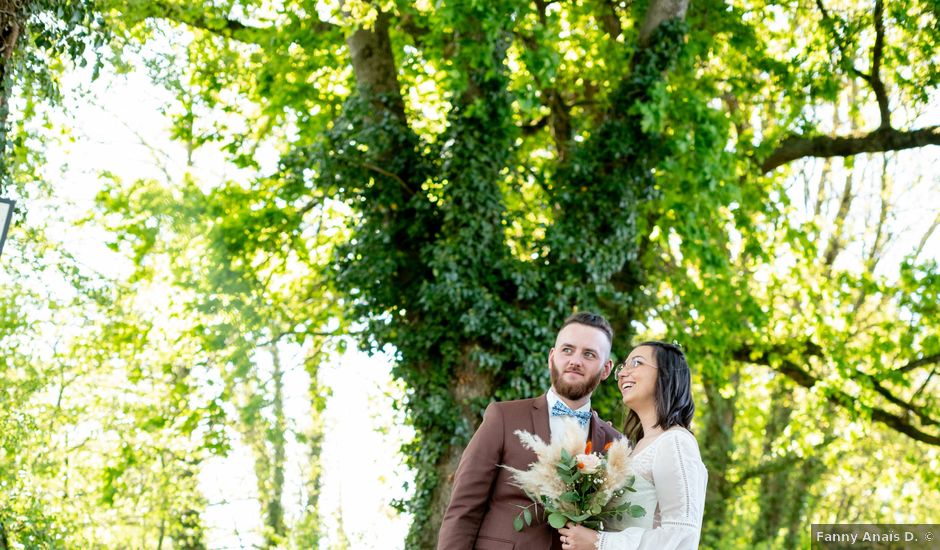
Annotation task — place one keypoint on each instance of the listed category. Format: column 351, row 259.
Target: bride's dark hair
column 674, row 406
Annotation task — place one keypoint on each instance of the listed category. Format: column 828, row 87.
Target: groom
column 484, row 504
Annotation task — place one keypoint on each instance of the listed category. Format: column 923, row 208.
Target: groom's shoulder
column 519, row 403
column 516, row 404
column 609, row 431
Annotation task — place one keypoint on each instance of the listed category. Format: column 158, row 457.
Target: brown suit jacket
column 484, row 503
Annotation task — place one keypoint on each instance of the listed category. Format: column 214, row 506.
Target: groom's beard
column 571, row 391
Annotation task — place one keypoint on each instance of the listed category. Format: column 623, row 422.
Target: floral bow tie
column 560, row 409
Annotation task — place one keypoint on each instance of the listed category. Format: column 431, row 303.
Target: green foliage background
column 455, row 178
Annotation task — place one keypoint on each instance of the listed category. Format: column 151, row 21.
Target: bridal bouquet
column 588, row 488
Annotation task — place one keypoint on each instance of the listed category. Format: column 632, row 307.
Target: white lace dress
column 670, row 484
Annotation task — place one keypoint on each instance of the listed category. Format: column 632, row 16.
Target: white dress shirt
column 555, row 422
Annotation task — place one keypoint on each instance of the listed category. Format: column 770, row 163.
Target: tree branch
column 135, row 11
column 882, row 235
column 822, row 8
column 926, row 236
column 10, row 34
column 841, row 42
column 778, row 464
column 804, row 378
column 821, row 189
column 836, row 242
column 658, row 12
column 418, row 32
column 924, row 385
column 559, row 118
column 898, row 423
column 877, row 85
column 926, row 360
column 769, row 467
column 877, row 55
column 533, row 127
column 879, row 141
column 890, row 397
column 382, row 171
column 609, row 19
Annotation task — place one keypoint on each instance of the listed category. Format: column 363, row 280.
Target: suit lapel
column 596, row 433
column 540, row 419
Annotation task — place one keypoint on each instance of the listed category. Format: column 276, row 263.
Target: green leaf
column 570, row 496
column 557, row 520
column 527, row 515
column 517, row 523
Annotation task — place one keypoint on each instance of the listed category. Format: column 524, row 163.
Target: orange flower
column 580, row 465
column 607, row 447
column 587, row 448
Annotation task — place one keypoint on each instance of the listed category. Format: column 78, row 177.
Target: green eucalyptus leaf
column 557, row 520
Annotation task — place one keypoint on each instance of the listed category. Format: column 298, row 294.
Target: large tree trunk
column 784, row 493
column 268, row 443
column 469, row 215
column 717, row 441
column 306, row 532
column 10, row 27
column 472, row 387
column 469, row 212
column 266, row 439
column 186, row 529
column 794, row 521
column 274, row 516
column 658, row 12
column 373, row 63
column 774, row 494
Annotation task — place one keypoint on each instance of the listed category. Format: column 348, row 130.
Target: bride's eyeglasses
column 629, row 365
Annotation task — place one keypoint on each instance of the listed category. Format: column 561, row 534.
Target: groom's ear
column 608, row 365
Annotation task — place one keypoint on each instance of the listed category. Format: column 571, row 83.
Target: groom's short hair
column 592, row 320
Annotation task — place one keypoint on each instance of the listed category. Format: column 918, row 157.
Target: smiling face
column 637, row 378
column 579, row 361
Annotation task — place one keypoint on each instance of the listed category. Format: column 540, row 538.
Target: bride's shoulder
column 682, row 437
column 679, row 431
column 676, row 446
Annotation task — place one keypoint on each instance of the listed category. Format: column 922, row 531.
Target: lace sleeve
column 680, row 479
column 622, row 540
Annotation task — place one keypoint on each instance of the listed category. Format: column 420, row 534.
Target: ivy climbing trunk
column 434, row 274
column 472, row 386
column 468, row 318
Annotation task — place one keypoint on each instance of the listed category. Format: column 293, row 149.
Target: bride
column 670, row 476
